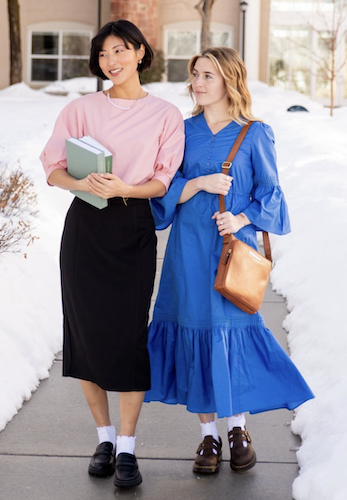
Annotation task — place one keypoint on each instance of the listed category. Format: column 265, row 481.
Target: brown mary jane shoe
column 208, row 461
column 241, row 458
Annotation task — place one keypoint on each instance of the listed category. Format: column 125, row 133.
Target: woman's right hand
column 213, row 183
column 83, row 185
column 216, row 183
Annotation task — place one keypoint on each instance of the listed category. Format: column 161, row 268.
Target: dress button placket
column 209, row 152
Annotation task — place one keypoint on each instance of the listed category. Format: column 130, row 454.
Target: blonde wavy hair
column 229, row 64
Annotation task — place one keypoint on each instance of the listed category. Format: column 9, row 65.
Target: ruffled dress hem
column 222, row 369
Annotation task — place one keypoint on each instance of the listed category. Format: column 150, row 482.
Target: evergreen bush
column 157, row 69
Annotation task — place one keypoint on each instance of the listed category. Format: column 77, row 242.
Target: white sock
column 238, row 420
column 209, row 429
column 107, row 433
column 125, row 444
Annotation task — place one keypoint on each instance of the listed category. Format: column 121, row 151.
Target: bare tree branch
column 199, row 7
column 326, row 63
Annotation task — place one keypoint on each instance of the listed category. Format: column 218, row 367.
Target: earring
column 140, row 61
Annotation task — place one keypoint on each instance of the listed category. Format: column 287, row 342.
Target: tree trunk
column 15, row 42
column 205, row 9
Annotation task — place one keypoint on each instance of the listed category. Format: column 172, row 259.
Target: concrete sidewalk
column 45, row 450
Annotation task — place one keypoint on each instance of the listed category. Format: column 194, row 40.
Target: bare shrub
column 17, row 202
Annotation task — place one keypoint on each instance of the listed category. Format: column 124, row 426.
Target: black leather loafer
column 102, row 462
column 127, row 471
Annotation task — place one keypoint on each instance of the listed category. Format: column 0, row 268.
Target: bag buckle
column 227, row 255
column 226, row 164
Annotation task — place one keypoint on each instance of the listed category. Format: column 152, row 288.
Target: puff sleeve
column 68, row 124
column 268, row 210
column 171, row 146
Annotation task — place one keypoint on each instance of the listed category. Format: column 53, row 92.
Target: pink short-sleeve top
column 147, row 141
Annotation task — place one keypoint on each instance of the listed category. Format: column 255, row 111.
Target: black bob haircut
column 130, row 34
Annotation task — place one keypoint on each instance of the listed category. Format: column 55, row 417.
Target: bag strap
column 225, row 169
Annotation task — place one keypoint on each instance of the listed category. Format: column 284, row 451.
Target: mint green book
column 84, row 159
column 108, row 155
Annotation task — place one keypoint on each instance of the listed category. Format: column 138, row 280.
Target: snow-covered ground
column 310, row 271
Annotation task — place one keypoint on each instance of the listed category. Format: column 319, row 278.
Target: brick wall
column 143, row 13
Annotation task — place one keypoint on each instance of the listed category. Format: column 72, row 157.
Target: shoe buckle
column 248, row 436
column 201, row 448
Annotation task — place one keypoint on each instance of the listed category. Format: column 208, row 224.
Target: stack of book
column 86, row 156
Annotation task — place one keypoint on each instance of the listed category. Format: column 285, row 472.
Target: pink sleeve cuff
column 50, row 169
column 165, row 179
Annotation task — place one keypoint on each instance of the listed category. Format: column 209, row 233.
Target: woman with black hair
column 108, row 256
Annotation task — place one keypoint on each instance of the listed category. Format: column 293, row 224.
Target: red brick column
column 143, row 13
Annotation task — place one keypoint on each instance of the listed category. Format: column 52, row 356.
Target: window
column 59, row 55
column 301, row 56
column 220, row 39
column 289, row 58
column 181, row 45
column 324, row 59
column 301, row 5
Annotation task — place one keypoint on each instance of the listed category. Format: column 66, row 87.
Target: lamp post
column 99, row 84
column 243, row 7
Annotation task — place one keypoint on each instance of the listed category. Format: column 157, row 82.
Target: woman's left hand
column 228, row 223
column 107, row 186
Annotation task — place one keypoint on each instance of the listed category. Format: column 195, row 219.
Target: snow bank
column 310, row 270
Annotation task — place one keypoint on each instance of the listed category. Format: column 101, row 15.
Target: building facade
column 56, row 35
column 303, row 34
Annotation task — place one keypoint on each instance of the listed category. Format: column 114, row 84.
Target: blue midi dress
column 205, row 352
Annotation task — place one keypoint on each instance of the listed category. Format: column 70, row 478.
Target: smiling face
column 119, row 63
column 208, row 84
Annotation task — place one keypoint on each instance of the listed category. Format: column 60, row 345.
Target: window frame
column 60, row 57
column 320, row 21
column 215, row 28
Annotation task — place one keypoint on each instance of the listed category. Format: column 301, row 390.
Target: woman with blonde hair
column 205, row 352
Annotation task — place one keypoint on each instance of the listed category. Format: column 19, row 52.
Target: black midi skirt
column 108, row 260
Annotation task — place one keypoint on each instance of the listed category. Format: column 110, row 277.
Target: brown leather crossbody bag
column 243, row 273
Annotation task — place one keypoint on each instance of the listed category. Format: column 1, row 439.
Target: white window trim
column 286, row 21
column 166, row 44
column 193, row 27
column 59, row 28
